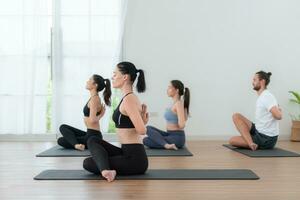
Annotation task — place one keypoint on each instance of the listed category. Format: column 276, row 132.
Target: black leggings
column 130, row 159
column 72, row 136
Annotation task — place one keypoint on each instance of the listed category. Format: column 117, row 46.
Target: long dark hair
column 129, row 68
column 262, row 75
column 177, row 84
column 103, row 84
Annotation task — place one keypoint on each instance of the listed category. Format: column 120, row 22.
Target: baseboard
column 42, row 137
column 224, row 137
column 107, row 136
column 27, row 137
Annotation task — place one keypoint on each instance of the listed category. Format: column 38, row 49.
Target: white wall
column 215, row 47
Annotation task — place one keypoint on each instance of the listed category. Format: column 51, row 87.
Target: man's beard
column 256, row 88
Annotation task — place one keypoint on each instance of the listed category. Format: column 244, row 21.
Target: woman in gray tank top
column 176, row 116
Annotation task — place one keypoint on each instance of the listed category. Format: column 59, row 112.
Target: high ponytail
column 141, row 84
column 103, row 84
column 129, row 68
column 186, row 98
column 183, row 91
column 107, row 92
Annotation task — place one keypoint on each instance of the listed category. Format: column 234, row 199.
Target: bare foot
column 171, row 146
column 109, row 175
column 79, row 147
column 253, row 146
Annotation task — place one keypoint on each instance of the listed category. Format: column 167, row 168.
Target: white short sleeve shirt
column 265, row 123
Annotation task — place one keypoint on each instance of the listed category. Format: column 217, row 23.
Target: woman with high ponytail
column 73, row 138
column 130, row 118
column 176, row 116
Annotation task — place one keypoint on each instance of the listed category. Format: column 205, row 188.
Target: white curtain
column 90, row 35
column 24, row 65
column 86, row 39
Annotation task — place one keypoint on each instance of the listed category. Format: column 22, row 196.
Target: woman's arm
column 134, row 114
column 145, row 114
column 181, row 114
column 94, row 105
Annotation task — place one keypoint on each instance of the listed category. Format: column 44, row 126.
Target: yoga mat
column 275, row 152
column 58, row 151
column 167, row 153
column 155, row 174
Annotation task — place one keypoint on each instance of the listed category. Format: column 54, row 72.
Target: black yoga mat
column 155, row 174
column 164, row 152
column 58, row 151
column 275, row 152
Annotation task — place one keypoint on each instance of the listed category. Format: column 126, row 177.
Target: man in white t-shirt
column 264, row 132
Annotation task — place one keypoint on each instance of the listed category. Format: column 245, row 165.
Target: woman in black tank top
column 109, row 160
column 122, row 121
column 74, row 138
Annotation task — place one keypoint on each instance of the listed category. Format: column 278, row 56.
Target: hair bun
column 269, row 73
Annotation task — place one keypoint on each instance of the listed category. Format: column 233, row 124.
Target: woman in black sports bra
column 74, row 138
column 130, row 118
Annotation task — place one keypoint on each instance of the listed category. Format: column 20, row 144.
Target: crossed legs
column 243, row 125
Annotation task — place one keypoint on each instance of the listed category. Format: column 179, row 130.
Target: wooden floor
column 279, row 177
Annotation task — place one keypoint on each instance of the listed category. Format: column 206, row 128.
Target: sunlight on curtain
column 90, row 44
column 37, row 96
column 24, row 65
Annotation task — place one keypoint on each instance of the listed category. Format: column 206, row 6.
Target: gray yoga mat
column 164, row 152
column 58, row 151
column 276, row 152
column 155, row 174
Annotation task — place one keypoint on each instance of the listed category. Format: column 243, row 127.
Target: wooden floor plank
column 279, row 177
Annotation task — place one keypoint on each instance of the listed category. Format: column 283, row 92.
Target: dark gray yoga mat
column 276, row 152
column 58, row 151
column 155, row 174
column 164, row 152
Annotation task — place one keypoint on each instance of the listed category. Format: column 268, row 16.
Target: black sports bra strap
column 126, row 95
column 91, row 98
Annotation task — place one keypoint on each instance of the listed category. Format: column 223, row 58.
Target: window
column 48, row 50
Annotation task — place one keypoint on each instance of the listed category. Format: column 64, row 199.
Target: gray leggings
column 157, row 138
